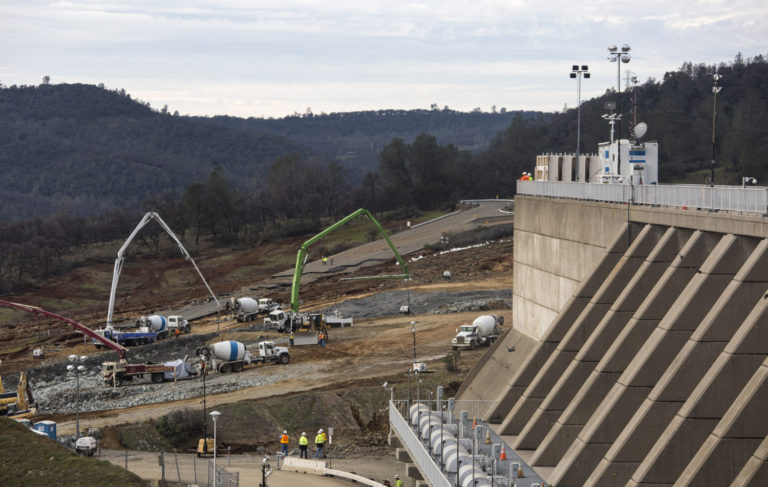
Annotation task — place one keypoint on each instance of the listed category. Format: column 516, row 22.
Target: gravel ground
column 388, row 303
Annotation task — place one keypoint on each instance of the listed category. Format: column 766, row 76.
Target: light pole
column 418, row 401
column 619, row 56
column 413, row 332
column 215, row 415
column 715, row 90
column 77, row 370
column 577, row 72
column 429, row 428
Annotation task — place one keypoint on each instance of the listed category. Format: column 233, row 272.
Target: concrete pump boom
column 120, row 259
column 77, row 326
column 301, row 256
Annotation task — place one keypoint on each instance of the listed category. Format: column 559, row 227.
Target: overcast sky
column 276, row 57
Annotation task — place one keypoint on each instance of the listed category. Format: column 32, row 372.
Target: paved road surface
column 372, row 253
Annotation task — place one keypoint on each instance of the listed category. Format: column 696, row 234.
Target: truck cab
column 178, row 322
column 268, row 352
column 267, row 305
column 277, row 320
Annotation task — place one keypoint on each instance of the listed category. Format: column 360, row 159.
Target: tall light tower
column 577, row 72
column 715, row 90
column 77, row 370
column 215, row 415
column 619, row 56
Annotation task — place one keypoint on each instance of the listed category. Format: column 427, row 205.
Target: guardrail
column 737, row 199
column 416, row 449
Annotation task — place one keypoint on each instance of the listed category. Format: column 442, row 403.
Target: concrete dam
column 639, row 348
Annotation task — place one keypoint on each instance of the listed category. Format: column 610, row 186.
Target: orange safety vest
column 284, row 439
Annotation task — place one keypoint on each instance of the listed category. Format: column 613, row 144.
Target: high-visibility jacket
column 320, row 439
column 303, row 441
column 284, row 439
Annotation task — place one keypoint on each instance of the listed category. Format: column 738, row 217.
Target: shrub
column 452, row 361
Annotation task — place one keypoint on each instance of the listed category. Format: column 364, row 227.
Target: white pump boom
column 120, row 259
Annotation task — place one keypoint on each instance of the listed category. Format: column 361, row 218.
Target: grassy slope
column 31, row 460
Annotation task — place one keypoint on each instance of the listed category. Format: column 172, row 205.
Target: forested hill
column 87, row 149
column 357, row 138
column 678, row 110
column 84, row 149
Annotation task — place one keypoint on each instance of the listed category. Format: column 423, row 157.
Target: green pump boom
column 301, row 256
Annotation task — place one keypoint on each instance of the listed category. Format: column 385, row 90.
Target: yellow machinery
column 205, row 447
column 19, row 404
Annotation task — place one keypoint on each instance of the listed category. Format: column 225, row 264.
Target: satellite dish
column 640, row 130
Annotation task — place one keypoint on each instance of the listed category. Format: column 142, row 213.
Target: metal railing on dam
column 737, row 199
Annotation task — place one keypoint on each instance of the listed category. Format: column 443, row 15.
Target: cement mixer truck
column 483, row 331
column 232, row 356
column 248, row 309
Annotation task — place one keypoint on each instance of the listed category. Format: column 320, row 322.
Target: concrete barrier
column 319, row 467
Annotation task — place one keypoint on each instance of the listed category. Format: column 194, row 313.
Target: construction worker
column 290, row 338
column 319, row 443
column 303, row 442
column 284, row 440
column 398, row 481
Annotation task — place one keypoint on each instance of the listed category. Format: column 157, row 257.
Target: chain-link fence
column 179, row 467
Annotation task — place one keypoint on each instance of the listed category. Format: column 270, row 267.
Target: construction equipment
column 18, row 404
column 113, row 373
column 232, row 356
column 483, row 331
column 302, row 255
column 248, row 309
column 86, row 445
column 177, row 322
column 148, row 217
